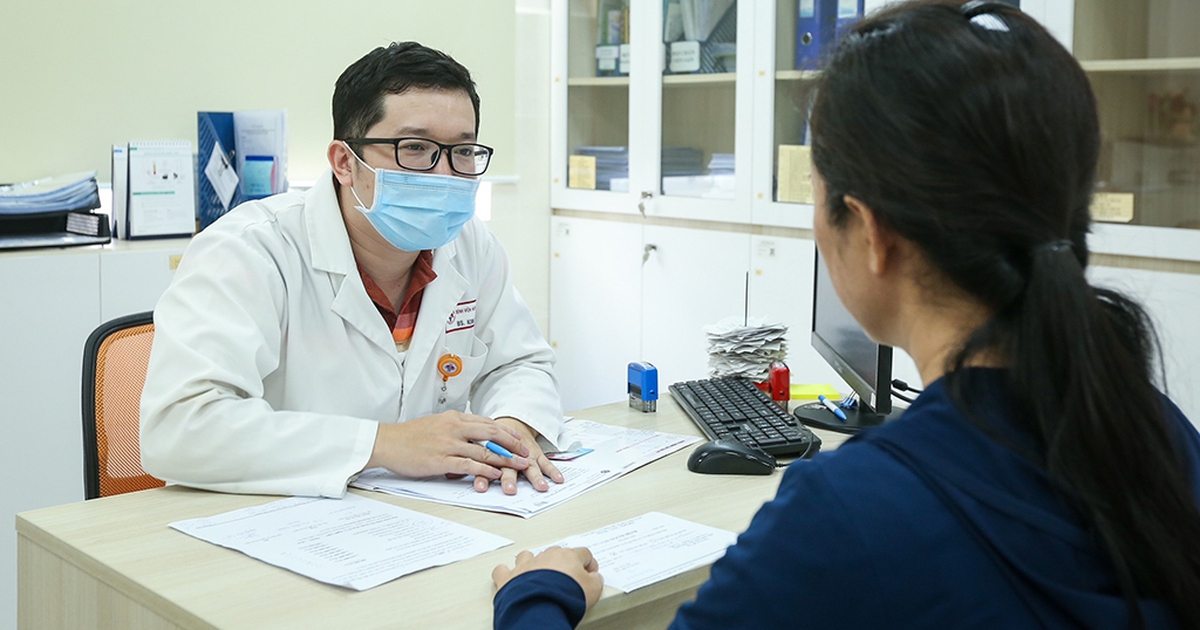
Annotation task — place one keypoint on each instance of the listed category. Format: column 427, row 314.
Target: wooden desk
column 114, row 563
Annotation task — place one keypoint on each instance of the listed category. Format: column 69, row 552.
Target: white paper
column 650, row 548
column 262, row 134
column 162, row 198
column 221, row 175
column 353, row 542
column 616, row 451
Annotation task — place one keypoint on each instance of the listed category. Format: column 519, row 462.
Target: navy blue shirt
column 925, row 522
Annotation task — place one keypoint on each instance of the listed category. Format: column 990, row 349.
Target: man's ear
column 341, row 160
column 878, row 239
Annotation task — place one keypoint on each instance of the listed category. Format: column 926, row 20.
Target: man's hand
column 537, row 467
column 450, row 442
column 578, row 564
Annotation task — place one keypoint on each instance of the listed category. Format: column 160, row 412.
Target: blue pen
column 832, row 407
column 497, row 449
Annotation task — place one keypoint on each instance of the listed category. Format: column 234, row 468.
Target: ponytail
column 1080, row 365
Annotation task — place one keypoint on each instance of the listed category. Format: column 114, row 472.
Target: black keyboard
column 734, row 409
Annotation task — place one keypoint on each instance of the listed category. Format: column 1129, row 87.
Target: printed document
column 615, row 451
column 354, row 542
column 650, row 548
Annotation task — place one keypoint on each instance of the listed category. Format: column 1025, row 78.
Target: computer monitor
column 865, row 365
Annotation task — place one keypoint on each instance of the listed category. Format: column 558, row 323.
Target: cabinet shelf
column 1142, row 65
column 598, row 82
column 691, row 79
column 794, row 75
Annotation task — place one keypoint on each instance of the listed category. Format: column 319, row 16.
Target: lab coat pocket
column 458, row 388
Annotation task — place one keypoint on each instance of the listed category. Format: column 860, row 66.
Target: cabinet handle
column 646, row 252
column 646, row 194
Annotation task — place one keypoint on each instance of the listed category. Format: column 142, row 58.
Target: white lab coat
column 271, row 367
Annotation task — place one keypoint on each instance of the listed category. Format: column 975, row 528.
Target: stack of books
column 611, row 163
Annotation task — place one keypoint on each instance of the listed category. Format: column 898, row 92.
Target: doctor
column 309, row 336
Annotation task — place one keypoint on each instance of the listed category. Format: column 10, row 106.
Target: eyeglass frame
column 395, row 142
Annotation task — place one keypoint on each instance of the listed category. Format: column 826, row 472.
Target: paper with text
column 353, row 542
column 650, row 548
column 615, row 451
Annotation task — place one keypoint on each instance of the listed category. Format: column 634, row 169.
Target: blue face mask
column 418, row 211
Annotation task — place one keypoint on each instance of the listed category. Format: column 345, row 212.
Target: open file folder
column 242, row 156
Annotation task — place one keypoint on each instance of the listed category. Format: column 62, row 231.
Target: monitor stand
column 815, row 415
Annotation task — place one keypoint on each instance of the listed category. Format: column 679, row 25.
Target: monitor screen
column 865, row 365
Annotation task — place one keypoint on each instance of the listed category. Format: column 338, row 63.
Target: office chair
column 115, row 359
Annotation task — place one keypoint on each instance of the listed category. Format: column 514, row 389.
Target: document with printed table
column 650, row 548
column 615, row 451
column 353, row 542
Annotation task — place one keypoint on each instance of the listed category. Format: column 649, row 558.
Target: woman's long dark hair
column 972, row 133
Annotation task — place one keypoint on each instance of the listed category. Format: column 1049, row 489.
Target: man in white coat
column 309, row 336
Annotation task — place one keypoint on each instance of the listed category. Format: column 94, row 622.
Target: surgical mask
column 418, row 211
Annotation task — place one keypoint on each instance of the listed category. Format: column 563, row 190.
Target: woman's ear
column 878, row 241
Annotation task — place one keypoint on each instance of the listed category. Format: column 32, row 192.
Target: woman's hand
column 578, row 564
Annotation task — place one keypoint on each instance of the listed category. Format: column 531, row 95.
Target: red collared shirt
column 402, row 323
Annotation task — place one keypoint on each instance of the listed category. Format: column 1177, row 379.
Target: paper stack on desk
column 744, row 347
column 615, row 451
column 77, row 191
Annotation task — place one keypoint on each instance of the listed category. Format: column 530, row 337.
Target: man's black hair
column 394, row 69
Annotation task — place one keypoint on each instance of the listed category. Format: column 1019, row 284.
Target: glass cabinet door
column 1143, row 59
column 700, row 51
column 598, row 59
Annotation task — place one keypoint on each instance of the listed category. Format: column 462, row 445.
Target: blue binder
column 213, row 128
column 848, row 12
column 816, row 30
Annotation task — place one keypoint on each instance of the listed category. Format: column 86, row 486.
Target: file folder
column 816, row 28
column 214, row 131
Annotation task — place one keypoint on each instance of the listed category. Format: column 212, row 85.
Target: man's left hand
column 540, row 467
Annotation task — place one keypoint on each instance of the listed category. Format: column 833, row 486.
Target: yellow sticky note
column 795, row 174
column 174, row 260
column 801, row 391
column 581, row 172
column 1112, row 207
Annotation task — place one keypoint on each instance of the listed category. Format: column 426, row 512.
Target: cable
column 904, row 387
column 906, row 399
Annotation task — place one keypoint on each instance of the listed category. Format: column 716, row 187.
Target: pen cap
column 780, row 379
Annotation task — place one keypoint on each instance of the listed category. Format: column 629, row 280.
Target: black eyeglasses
column 422, row 154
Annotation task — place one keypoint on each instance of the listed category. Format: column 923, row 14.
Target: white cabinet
column 595, row 307
column 621, row 292
column 691, row 278
column 54, row 299
column 1173, row 300
column 1133, row 52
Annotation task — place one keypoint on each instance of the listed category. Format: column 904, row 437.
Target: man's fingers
column 549, row 469
column 534, row 474
column 525, row 556
column 508, row 480
column 495, row 433
column 465, row 466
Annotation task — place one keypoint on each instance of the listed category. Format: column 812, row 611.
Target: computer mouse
column 727, row 457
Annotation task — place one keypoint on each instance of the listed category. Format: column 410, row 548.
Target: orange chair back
column 115, row 360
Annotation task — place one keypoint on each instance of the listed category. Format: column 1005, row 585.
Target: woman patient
column 1041, row 479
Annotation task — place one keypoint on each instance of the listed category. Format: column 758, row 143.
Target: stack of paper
column 707, row 186
column 354, row 542
column 615, row 451
column 611, row 163
column 682, row 161
column 77, row 191
column 721, row 164
column 745, row 348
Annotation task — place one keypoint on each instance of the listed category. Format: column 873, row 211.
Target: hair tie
column 1056, row 246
